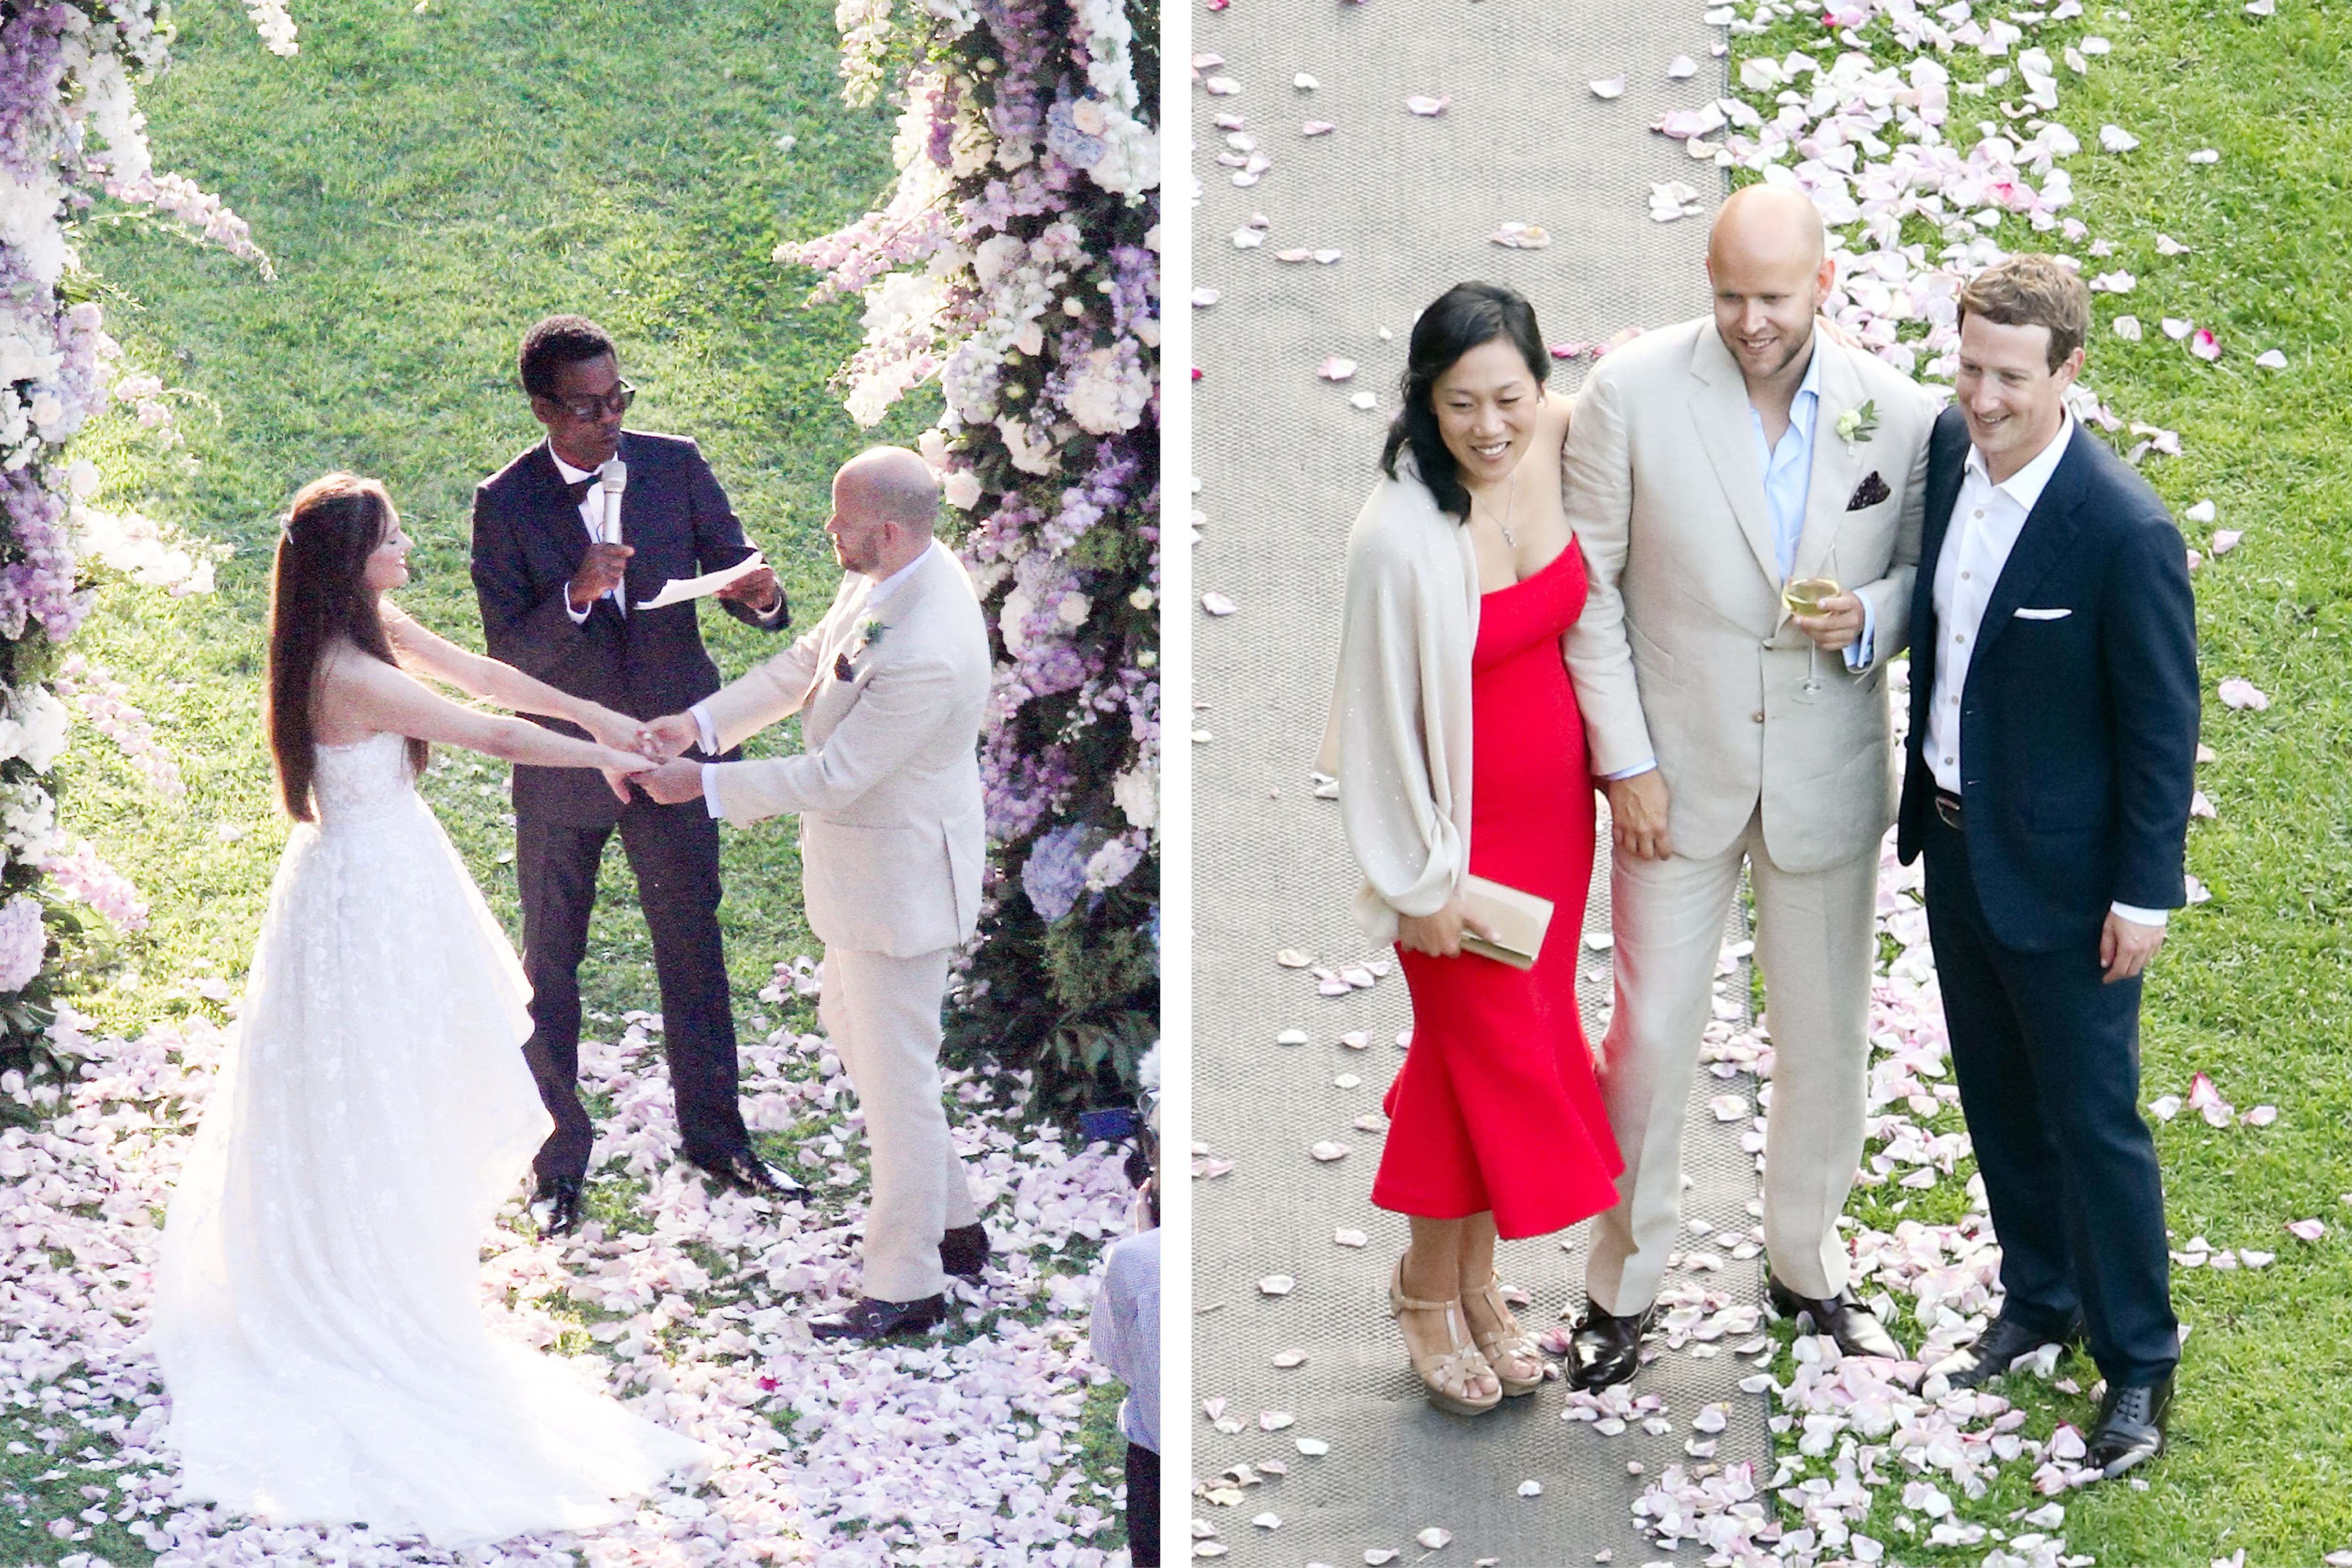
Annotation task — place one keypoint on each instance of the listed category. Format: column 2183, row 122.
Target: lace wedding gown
column 316, row 1312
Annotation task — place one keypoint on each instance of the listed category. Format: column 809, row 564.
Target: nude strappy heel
column 1447, row 1375
column 1507, row 1342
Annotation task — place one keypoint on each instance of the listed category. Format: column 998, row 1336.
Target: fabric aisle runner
column 1284, row 459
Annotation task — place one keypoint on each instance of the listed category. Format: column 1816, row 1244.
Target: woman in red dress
column 1462, row 577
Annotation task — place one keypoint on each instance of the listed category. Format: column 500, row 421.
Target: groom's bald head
column 884, row 502
column 1767, row 264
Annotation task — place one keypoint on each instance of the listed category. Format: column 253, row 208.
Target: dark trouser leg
column 2047, row 1062
column 674, row 850
column 1142, row 1506
column 556, row 863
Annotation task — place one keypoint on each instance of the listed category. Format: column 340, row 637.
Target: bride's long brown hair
column 318, row 593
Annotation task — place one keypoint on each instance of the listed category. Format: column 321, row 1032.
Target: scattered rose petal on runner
column 1426, row 107
column 1327, row 1150
column 1336, row 368
column 1222, row 86
column 1276, row 1420
column 1432, row 1539
column 1277, row 1285
column 1313, row 1447
column 1366, row 401
column 1217, row 604
column 1521, row 236
column 1304, row 82
column 1345, row 1237
column 1681, row 68
column 1293, row 958
column 1291, row 1037
column 1317, row 128
column 1608, row 86
column 1248, row 238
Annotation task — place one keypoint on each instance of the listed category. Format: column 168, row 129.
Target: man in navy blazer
column 562, row 602
column 2053, row 739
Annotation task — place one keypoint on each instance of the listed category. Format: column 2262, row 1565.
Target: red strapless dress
column 1496, row 1105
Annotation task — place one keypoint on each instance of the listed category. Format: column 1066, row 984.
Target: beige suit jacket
column 892, row 827
column 1684, row 652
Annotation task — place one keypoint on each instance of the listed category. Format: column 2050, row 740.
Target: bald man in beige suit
column 890, row 685
column 1708, row 465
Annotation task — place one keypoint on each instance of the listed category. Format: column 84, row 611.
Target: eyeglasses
column 614, row 402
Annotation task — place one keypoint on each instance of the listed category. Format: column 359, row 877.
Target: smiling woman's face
column 387, row 564
column 1485, row 406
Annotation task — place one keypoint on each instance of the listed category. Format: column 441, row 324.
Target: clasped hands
column 664, row 774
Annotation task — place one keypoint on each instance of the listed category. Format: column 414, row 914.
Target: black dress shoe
column 964, row 1250
column 1841, row 1317
column 1989, row 1355
column 562, row 1197
column 745, row 1171
column 871, row 1319
column 2131, row 1429
column 1606, row 1349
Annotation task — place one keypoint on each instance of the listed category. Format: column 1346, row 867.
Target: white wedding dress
column 316, row 1312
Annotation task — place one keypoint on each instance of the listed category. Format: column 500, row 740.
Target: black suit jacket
column 2078, row 732
column 529, row 541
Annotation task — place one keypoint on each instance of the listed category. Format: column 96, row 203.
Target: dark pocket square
column 1870, row 493
column 841, row 670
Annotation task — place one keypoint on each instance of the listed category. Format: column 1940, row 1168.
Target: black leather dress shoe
column 1606, row 1349
column 1989, row 1355
column 562, row 1197
column 2131, row 1429
column 871, row 1319
column 1841, row 1317
column 964, row 1250
column 745, row 1171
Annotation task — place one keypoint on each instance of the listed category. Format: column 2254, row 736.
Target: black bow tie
column 579, row 488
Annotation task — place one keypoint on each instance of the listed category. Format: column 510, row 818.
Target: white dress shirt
column 592, row 516
column 1984, row 523
column 874, row 600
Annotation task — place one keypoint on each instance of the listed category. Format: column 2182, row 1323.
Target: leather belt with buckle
column 1948, row 806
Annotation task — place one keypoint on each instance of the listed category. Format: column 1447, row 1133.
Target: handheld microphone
column 615, row 479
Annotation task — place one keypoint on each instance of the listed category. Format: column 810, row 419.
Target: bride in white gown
column 316, row 1314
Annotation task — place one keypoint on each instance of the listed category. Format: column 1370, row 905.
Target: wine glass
column 1806, row 596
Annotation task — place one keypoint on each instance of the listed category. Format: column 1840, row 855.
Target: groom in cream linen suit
column 889, row 685
column 1709, row 464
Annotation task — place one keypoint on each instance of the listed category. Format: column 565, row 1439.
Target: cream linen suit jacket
column 892, row 825
column 1685, row 651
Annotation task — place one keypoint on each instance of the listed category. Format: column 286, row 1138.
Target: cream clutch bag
column 1517, row 920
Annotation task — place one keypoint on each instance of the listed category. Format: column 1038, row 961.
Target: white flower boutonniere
column 1856, row 426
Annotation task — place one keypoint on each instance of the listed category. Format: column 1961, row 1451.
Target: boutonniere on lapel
column 1856, row 426
column 868, row 636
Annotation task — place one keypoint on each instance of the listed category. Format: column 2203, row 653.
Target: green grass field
column 428, row 180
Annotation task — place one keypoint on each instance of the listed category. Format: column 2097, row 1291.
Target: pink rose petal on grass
column 2261, row 1116
column 2307, row 1229
column 1426, row 107
column 2225, row 540
column 2205, row 345
column 2239, row 692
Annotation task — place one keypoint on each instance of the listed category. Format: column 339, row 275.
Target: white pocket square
column 2044, row 614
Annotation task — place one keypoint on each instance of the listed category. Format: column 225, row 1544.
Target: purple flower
column 1055, row 872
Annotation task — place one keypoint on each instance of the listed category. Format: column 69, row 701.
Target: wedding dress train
column 316, row 1310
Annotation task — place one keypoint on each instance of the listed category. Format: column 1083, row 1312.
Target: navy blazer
column 529, row 541
column 2078, row 732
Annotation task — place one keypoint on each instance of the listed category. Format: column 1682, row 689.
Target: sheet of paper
column 679, row 589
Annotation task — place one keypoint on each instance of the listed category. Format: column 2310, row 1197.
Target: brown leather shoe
column 1841, row 1317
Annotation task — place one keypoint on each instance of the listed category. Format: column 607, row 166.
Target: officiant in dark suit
column 2053, row 743
column 562, row 601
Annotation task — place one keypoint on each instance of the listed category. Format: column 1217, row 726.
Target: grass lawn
column 2252, row 987
column 429, row 180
